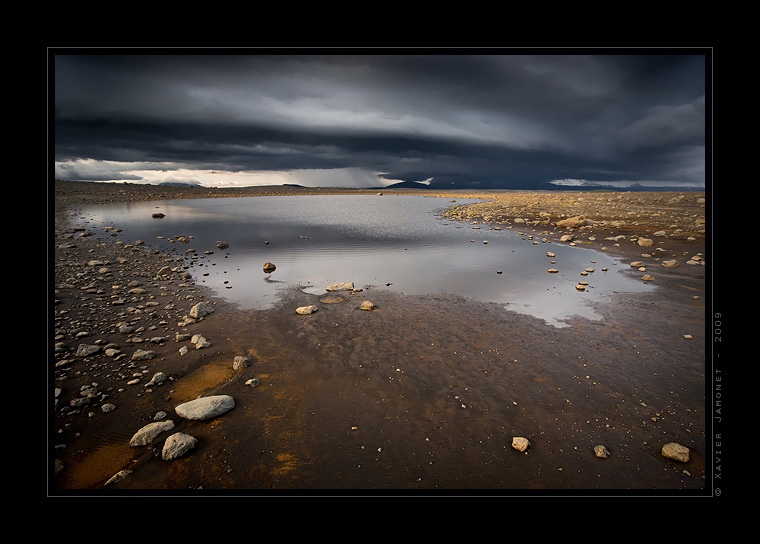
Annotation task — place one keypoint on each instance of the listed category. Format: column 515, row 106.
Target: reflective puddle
column 392, row 242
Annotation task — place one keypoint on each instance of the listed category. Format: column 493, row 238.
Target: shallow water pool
column 391, row 242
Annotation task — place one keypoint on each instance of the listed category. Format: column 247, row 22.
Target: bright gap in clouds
column 89, row 170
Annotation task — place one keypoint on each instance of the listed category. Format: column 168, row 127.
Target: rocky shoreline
column 416, row 394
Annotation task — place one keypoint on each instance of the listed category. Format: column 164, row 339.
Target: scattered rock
column 201, row 309
column 85, row 350
column 119, row 476
column 572, row 222
column 676, row 451
column 645, row 242
column 147, row 434
column 601, row 452
column 205, row 407
column 240, row 362
column 647, row 277
column 199, row 341
column 177, row 445
column 306, row 310
column 340, row 286
column 157, row 379
column 520, row 443
column 143, row 355
column 269, row 267
column 222, row 245
column 670, row 264
column 367, row 305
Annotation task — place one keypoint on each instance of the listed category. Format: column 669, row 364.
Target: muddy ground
column 423, row 395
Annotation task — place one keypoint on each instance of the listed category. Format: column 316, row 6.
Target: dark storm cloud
column 472, row 120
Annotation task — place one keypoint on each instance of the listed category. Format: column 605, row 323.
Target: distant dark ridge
column 404, row 185
column 178, row 184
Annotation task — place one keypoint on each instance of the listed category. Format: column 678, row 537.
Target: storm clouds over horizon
column 478, row 121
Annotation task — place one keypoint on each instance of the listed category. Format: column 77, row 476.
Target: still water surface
column 390, row 242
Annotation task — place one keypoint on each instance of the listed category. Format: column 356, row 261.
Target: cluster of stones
column 676, row 215
column 366, row 305
column 178, row 444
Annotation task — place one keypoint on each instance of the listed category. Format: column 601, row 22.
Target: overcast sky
column 454, row 120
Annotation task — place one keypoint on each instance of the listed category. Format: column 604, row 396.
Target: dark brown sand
column 423, row 395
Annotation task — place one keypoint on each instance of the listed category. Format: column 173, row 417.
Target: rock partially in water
column 205, row 407
column 340, row 286
column 269, row 267
column 222, row 245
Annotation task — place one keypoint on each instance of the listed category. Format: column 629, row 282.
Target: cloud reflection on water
column 370, row 240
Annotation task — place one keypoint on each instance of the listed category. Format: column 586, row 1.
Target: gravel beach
column 420, row 395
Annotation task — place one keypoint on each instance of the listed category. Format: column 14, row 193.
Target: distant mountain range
column 590, row 187
column 404, row 185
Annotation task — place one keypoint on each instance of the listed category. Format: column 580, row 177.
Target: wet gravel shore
column 424, row 394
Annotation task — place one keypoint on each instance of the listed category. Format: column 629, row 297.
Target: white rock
column 306, row 310
column 158, row 378
column 676, row 451
column 201, row 309
column 85, row 350
column 205, row 407
column 199, row 341
column 147, row 434
column 240, row 362
column 340, row 286
column 118, row 477
column 520, row 443
column 143, row 355
column 177, row 445
column 601, row 452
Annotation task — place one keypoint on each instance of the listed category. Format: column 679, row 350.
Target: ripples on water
column 370, row 240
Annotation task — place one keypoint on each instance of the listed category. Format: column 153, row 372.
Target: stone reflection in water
column 313, row 241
